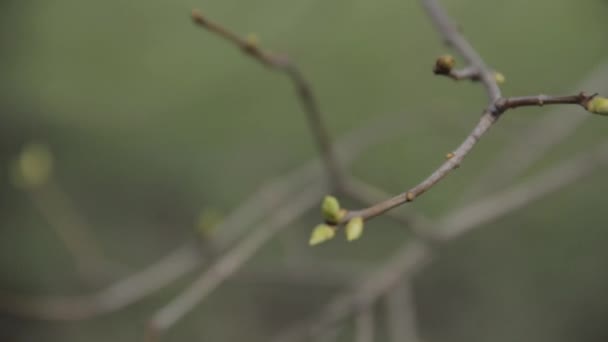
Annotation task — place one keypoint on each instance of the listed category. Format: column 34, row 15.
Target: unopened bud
column 598, row 105
column 354, row 228
column 330, row 209
column 321, row 233
column 444, row 64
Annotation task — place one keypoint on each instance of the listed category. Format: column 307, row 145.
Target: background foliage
column 151, row 120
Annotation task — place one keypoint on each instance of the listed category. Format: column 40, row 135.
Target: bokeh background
column 152, row 121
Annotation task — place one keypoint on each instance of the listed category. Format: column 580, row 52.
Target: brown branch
column 366, row 194
column 453, row 38
column 415, row 254
column 540, row 100
column 534, row 142
column 303, row 89
column 498, row 105
column 453, row 162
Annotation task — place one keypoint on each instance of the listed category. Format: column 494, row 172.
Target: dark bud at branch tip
column 198, row 17
column 444, row 65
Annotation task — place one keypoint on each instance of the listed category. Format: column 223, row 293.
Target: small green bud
column 330, row 208
column 321, row 233
column 499, row 77
column 33, row 167
column 598, row 105
column 354, row 228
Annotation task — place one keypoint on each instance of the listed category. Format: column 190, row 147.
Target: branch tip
column 597, row 105
column 198, row 17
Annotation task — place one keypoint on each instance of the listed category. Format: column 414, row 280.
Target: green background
column 152, row 120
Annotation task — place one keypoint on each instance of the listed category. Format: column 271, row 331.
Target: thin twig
column 367, row 194
column 495, row 109
column 532, row 144
column 415, row 254
column 304, row 91
column 453, row 162
column 453, row 38
column 278, row 191
column 468, row 73
column 541, row 100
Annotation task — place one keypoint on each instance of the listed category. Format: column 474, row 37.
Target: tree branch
column 415, row 253
column 453, row 162
column 534, row 142
column 497, row 106
column 304, row 92
column 453, row 38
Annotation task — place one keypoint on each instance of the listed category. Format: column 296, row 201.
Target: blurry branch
column 365, row 325
column 486, row 210
column 32, row 172
column 231, row 261
column 115, row 297
column 157, row 276
column 185, row 259
column 365, row 292
column 310, row 272
column 305, row 94
column 537, row 139
column 72, row 229
column 402, row 325
column 415, row 254
column 454, row 39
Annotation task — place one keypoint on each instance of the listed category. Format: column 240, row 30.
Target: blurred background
column 153, row 125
